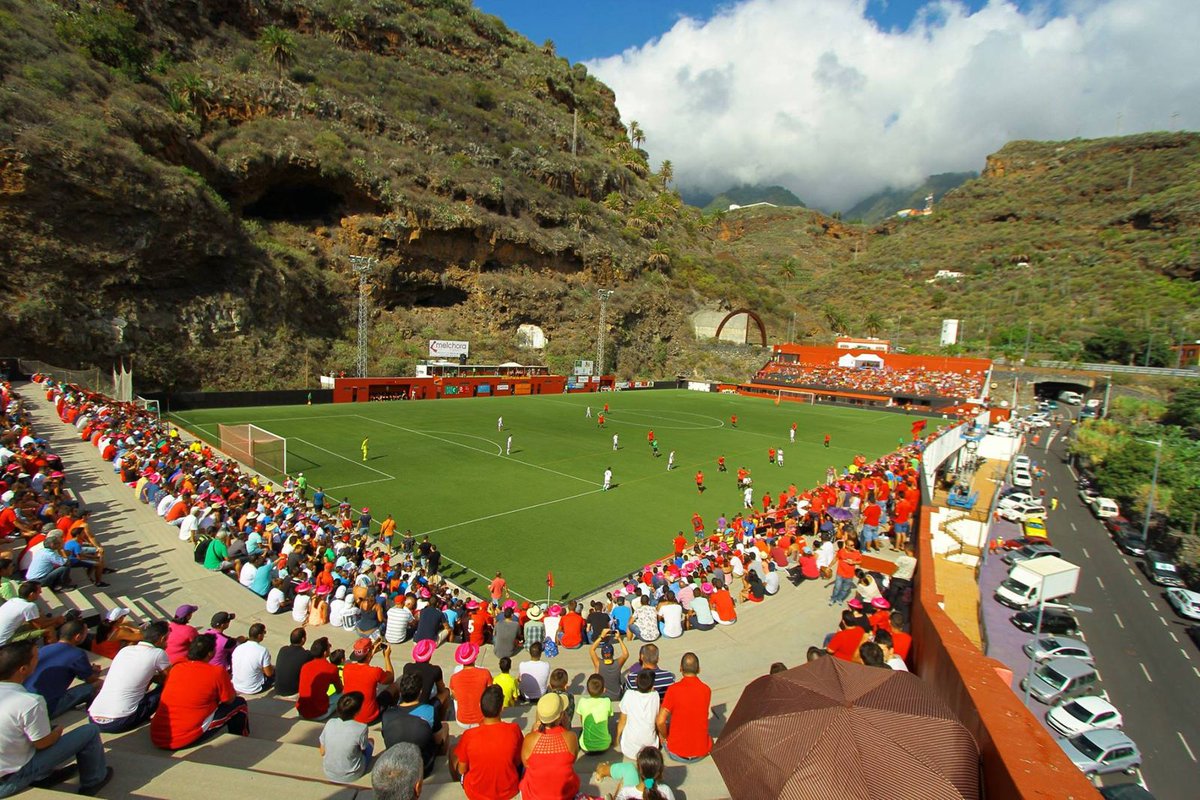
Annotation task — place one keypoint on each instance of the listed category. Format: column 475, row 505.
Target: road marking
column 1197, row 671
column 1185, row 655
column 1085, row 553
column 1183, row 741
column 1074, row 476
column 1118, row 619
column 1145, row 593
column 1099, row 581
column 1173, row 637
column 1141, row 779
column 1073, row 527
column 1131, row 572
column 1147, row 674
column 1162, row 620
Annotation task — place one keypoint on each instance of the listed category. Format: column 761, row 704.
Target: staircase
column 947, row 527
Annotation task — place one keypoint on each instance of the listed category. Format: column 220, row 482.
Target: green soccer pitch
column 440, row 468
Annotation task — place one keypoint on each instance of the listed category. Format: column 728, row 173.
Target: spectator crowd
column 321, row 565
column 875, row 380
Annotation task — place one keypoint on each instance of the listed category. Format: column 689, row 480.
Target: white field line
column 511, row 511
column 478, row 450
column 343, row 458
column 360, row 483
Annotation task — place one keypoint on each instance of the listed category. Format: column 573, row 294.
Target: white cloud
column 813, row 95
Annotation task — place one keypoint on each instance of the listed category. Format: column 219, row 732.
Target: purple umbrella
column 839, row 513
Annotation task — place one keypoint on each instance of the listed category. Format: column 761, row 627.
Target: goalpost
column 795, row 396
column 150, row 406
column 257, row 448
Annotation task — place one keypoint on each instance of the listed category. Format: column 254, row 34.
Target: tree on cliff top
column 279, row 46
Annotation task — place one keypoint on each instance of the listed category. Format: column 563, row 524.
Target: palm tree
column 343, row 30
column 660, row 255
column 548, row 47
column 192, row 92
column 579, row 213
column 873, row 323
column 279, row 46
column 835, row 319
column 788, row 268
column 666, row 172
column 636, row 134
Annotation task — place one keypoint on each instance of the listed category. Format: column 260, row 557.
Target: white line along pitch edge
column 511, row 511
column 343, row 458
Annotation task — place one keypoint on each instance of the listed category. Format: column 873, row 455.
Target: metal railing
column 1163, row 372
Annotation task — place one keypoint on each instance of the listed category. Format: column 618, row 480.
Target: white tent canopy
column 869, row 360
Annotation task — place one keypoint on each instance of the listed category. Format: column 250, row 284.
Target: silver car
column 1102, row 751
column 1045, row 647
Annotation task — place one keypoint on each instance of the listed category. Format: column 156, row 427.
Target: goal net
column 150, row 406
column 795, row 396
column 257, row 448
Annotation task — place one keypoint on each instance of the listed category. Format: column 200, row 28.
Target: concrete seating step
column 243, row 753
column 158, row 776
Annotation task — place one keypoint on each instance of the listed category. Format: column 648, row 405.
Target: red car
column 1016, row 544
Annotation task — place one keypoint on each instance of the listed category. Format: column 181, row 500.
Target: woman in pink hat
column 552, row 620
column 318, row 609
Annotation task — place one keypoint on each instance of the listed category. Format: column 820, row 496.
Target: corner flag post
column 549, row 586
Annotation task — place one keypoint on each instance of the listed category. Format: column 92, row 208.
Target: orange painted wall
column 816, row 354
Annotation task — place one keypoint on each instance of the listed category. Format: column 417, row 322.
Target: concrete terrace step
column 157, row 775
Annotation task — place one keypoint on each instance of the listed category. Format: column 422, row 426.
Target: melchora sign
column 447, row 348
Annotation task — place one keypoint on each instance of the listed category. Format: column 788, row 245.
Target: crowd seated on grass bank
column 874, row 380
column 323, row 564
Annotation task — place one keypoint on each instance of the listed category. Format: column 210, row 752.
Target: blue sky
column 589, row 29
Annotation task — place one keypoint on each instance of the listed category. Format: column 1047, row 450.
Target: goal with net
column 257, row 448
column 795, row 396
column 150, row 406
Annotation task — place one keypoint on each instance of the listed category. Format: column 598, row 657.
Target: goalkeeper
column 365, row 444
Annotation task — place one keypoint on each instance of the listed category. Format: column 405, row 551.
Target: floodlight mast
column 363, row 265
column 604, row 295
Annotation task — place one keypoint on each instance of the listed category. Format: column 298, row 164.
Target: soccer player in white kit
column 607, row 479
column 500, row 423
column 792, row 435
column 616, row 441
column 778, row 458
column 748, row 497
column 588, row 415
column 671, row 461
column 508, row 447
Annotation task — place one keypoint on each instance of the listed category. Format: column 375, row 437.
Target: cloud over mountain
column 812, row 94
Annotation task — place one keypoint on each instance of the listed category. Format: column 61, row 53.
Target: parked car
column 1132, row 542
column 1087, row 494
column 1031, row 551
column 1021, row 541
column 1041, row 648
column 1022, row 479
column 1054, row 620
column 1114, row 525
column 1016, row 497
column 1088, row 413
column 1022, row 462
column 1125, row 791
column 1186, row 603
column 1035, row 528
column 1061, row 679
column 1019, row 512
column 1102, row 751
column 1104, row 507
column 1093, row 402
column 1160, row 569
column 1083, row 714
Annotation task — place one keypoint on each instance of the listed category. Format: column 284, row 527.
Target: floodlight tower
column 363, row 265
column 604, row 295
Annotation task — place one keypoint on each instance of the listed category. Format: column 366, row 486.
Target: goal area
column 795, row 396
column 257, row 448
column 149, row 406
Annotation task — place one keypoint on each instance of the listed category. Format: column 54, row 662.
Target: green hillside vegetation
column 205, row 173
column 743, row 195
column 887, row 202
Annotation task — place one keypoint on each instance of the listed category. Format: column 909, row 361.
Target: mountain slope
column 887, row 202
column 743, row 195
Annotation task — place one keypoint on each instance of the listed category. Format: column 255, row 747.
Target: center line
column 1145, row 593
column 1073, row 527
column 1099, row 581
column 1118, row 619
column 1147, row 674
column 1173, row 637
column 1085, row 553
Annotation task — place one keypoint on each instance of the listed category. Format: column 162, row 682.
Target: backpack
column 549, row 648
column 201, row 550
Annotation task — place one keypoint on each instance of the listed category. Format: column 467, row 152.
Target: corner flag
column 550, row 579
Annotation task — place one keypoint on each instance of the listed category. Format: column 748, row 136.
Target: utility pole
column 1028, row 335
column 1107, row 396
column 363, row 265
column 604, row 294
column 1149, row 341
column 574, row 131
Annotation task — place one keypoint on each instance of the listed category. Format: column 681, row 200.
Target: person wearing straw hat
column 549, row 753
column 534, row 631
column 467, row 685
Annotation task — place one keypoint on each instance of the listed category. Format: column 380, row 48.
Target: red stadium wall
column 828, row 356
column 1020, row 759
column 362, row 390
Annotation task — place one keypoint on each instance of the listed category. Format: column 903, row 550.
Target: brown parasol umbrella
column 832, row 728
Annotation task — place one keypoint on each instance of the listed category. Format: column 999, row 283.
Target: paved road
column 1147, row 664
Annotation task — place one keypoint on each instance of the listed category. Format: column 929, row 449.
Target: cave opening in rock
column 298, row 202
column 425, row 295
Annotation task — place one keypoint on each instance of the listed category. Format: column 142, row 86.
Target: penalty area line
column 510, row 511
column 351, row 460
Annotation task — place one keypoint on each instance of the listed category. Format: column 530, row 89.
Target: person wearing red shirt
column 488, row 757
column 467, row 685
column 844, row 644
column 478, row 624
column 359, row 676
column 869, row 535
column 721, row 464
column 700, row 481
column 683, row 717
column 680, row 541
column 722, row 603
column 570, row 629
column 843, row 582
column 316, row 676
column 197, row 699
column 901, row 639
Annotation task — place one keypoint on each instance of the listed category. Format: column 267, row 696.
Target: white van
column 1071, row 398
column 1104, row 507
